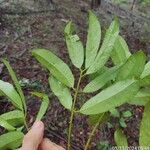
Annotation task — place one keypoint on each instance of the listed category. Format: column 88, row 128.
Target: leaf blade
column 44, row 105
column 145, row 76
column 11, row 140
column 62, row 92
column 74, row 46
column 16, row 82
column 133, row 67
column 120, row 138
column 120, row 52
column 106, row 48
column 146, row 71
column 98, row 118
column 101, row 80
column 111, row 97
column 11, row 93
column 144, row 139
column 93, row 39
column 55, row 65
column 6, row 125
column 142, row 97
column 15, row 117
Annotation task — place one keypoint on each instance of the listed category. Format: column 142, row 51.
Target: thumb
column 34, row 137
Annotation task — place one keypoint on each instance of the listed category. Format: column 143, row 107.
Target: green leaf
column 106, row 48
column 101, row 118
column 20, row 128
column 16, row 82
column 11, row 140
column 44, row 105
column 93, row 39
column 103, row 145
column 145, row 92
column 133, row 67
column 69, row 28
column 11, row 93
column 142, row 97
column 111, row 97
column 55, row 65
column 101, row 80
column 120, row 138
column 6, row 125
column 145, row 76
column 122, row 123
column 1, row 93
column 75, row 47
column 38, row 94
column 139, row 101
column 145, row 81
column 120, row 52
column 146, row 71
column 144, row 139
column 115, row 113
column 43, row 108
column 127, row 114
column 98, row 73
column 14, row 118
column 62, row 92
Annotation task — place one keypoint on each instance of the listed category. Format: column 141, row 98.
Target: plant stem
column 72, row 111
column 90, row 136
column 92, row 133
column 26, row 125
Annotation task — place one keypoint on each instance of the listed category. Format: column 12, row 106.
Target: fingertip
column 34, row 137
column 48, row 145
column 38, row 125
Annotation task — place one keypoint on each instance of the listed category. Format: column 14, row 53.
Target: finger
column 48, row 145
column 34, row 137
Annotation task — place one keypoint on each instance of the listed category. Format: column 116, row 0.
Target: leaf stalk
column 92, row 133
column 73, row 110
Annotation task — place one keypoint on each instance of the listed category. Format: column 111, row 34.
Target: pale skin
column 34, row 140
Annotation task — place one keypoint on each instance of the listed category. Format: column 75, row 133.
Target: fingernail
column 38, row 125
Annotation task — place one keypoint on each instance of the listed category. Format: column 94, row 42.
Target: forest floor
column 20, row 34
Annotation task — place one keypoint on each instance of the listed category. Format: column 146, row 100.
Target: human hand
column 34, row 140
